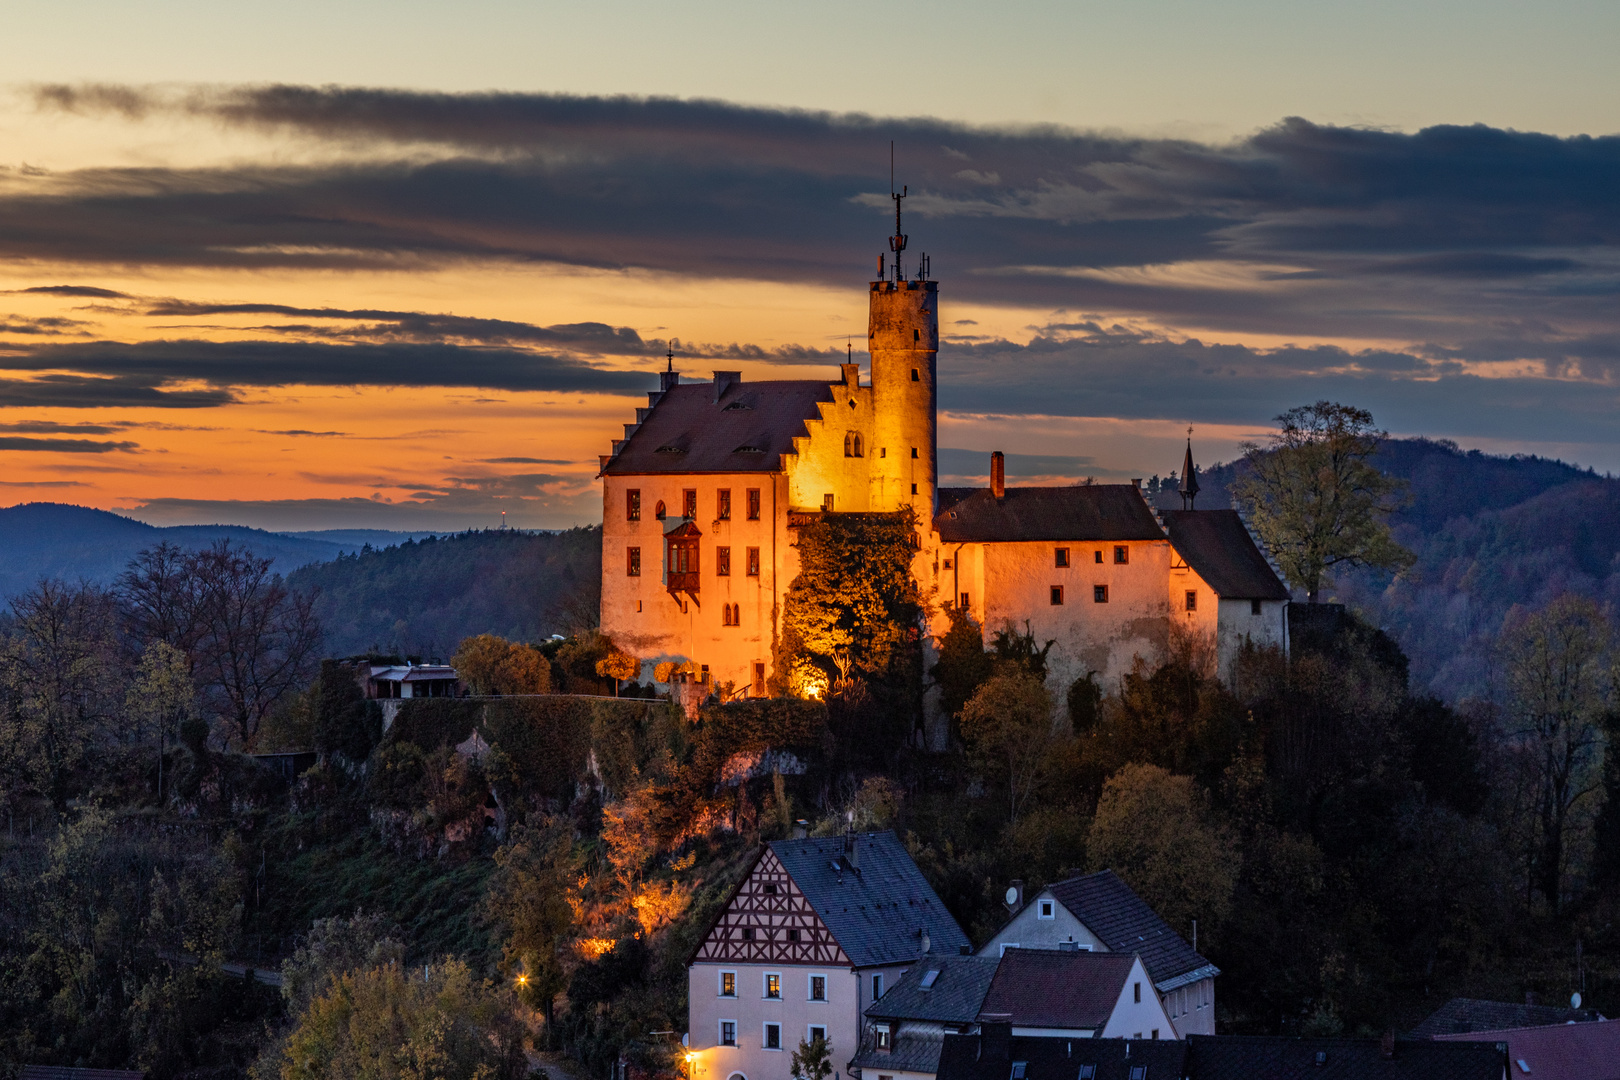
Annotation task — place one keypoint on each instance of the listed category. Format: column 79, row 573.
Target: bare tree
column 162, row 597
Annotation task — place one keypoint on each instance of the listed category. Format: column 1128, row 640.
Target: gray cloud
column 60, row 391
column 63, row 446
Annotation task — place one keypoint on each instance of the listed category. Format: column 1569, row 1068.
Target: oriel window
column 632, row 504
column 722, row 508
column 753, row 504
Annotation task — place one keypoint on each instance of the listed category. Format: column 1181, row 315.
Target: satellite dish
column 1012, row 896
column 1575, row 1000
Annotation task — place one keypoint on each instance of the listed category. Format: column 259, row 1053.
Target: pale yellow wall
column 819, row 467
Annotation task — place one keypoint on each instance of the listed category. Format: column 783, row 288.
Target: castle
column 702, row 496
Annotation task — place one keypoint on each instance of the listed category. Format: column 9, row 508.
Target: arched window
column 658, row 511
column 852, row 444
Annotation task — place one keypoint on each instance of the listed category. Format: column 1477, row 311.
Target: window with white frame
column 728, row 984
column 728, row 1033
column 1047, row 910
column 881, row 1038
column 877, row 987
column 814, row 1032
column 773, row 984
column 773, row 1037
column 818, row 988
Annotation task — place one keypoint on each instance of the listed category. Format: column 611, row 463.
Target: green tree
column 812, row 1060
column 1008, row 730
column 528, row 902
column 1555, row 664
column 335, row 947
column 1155, row 830
column 492, row 665
column 160, row 699
column 1315, row 497
column 344, row 721
column 963, row 664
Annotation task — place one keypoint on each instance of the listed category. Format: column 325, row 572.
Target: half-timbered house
column 812, row 936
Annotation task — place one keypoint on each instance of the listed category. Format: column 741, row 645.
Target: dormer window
column 881, row 1039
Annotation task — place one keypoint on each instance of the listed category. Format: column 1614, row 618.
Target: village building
column 815, row 932
column 386, row 681
column 702, row 497
column 1099, row 913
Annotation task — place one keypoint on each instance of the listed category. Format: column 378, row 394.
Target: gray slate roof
column 1248, row 1057
column 913, row 1052
column 1461, row 1016
column 688, row 431
column 1048, row 1058
column 1104, row 512
column 1123, row 922
column 1042, row 988
column 1217, row 546
column 877, row 909
column 955, row 998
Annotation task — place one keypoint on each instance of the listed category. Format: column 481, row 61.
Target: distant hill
column 73, row 542
column 422, row 597
column 1489, row 532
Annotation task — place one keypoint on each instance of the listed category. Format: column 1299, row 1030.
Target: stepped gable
column 1042, row 988
column 1123, row 922
column 1461, row 1016
column 956, row 995
column 1217, row 545
column 748, row 429
column 876, row 908
column 1082, row 512
column 1276, row 1057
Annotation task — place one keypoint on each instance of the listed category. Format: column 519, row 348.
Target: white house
column 816, row 931
column 1100, row 913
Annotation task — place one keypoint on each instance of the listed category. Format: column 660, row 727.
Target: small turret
column 1189, row 479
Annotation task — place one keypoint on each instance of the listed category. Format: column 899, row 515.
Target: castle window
column 632, row 504
column 914, row 377
column 964, row 601
column 1096, row 556
column 1099, row 594
column 1061, row 558
column 1254, row 607
column 632, row 562
column 658, row 511
column 731, row 615
column 914, row 489
column 753, row 562
column 759, row 679
column 913, row 452
column 753, row 504
column 683, row 556
column 1057, row 596
column 722, row 562
column 722, row 508
column 1122, row 554
column 916, row 335
column 689, row 503
column 852, row 444
column 827, row 502
column 1192, row 600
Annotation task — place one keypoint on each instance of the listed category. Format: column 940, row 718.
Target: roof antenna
column 897, row 242
column 670, row 365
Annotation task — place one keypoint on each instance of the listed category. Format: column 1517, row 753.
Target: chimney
column 998, row 475
column 724, row 380
column 851, row 374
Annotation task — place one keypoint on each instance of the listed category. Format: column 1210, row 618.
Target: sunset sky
column 408, row 265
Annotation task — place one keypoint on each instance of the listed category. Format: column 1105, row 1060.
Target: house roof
column 414, row 673
column 1087, row 512
column 747, row 430
column 1245, row 1057
column 1056, row 1058
column 955, row 996
column 1216, row 544
column 1054, row 989
column 912, row 1052
column 876, row 909
column 1462, row 1015
column 1572, row 1051
column 1125, row 924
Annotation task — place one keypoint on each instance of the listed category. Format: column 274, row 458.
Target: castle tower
column 903, row 336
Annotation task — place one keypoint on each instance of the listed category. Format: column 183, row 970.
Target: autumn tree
column 492, row 665
column 1155, row 830
column 333, row 948
column 160, row 699
column 812, row 1060
column 1555, row 664
column 1007, row 726
column 527, row 901
column 1315, row 497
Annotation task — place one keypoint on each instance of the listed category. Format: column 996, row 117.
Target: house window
column 913, row 451
column 883, row 451
column 1057, row 596
column 1254, row 607
column 722, row 561
column 914, row 489
column 1061, row 558
column 914, row 377
column 773, row 1036
column 759, row 680
column 852, row 444
column 753, row 504
column 632, row 504
column 722, row 507
column 818, row 988
column 632, row 562
column 1088, row 1072
column 689, row 503
column 1046, row 911
column 1018, row 1070
column 877, row 987
column 964, row 601
column 793, row 933
column 1099, row 594
column 658, row 511
column 773, row 987
column 728, row 984
column 827, row 502
column 814, row 1032
column 748, row 933
column 728, row 1033
column 1138, row 1072
column 1122, row 554
column 1136, row 993
column 753, row 562
column 880, row 1038
column 1192, row 600
column 1154, row 1034
column 770, row 890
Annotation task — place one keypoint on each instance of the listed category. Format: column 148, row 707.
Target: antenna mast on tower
column 897, row 242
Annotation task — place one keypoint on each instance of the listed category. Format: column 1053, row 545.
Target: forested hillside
column 1489, row 532
column 420, row 598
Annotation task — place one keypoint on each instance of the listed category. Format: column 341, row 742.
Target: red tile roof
column 1218, row 547
column 1589, row 1051
column 1047, row 988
